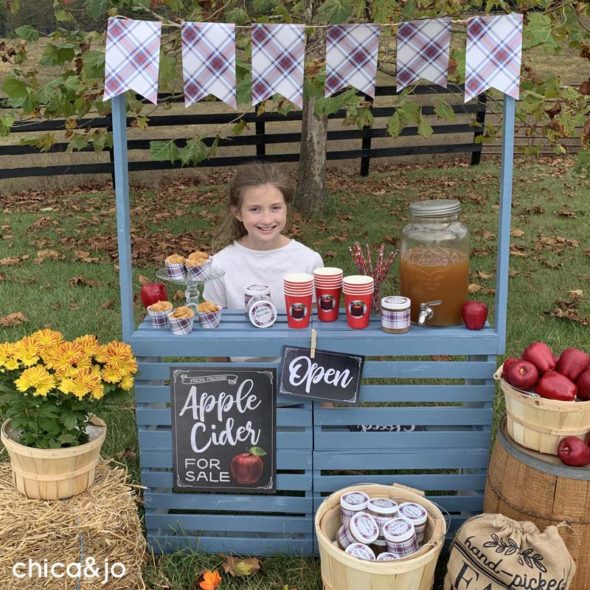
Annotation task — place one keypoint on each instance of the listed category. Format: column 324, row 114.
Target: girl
column 252, row 246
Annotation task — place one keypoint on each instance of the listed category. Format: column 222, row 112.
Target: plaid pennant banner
column 277, row 62
column 351, row 58
column 423, row 51
column 209, row 62
column 132, row 58
column 493, row 55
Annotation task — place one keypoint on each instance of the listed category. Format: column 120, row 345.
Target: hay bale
column 101, row 524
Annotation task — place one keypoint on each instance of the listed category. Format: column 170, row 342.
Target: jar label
column 413, row 511
column 355, row 498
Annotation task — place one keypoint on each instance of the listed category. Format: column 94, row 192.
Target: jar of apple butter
column 434, row 262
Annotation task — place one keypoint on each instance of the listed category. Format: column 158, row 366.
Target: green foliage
column 76, row 60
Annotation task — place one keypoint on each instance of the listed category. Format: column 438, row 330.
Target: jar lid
column 398, row 529
column 395, row 303
column 387, row 556
column 383, row 506
column 363, row 527
column 435, row 208
column 415, row 512
column 361, row 551
column 354, row 501
column 257, row 290
column 262, row 313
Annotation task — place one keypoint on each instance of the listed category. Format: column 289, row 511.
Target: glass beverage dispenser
column 434, row 262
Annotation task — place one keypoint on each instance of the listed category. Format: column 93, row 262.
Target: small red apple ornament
column 246, row 468
column 152, row 292
column 474, row 314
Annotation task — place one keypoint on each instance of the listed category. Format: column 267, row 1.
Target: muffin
column 175, row 267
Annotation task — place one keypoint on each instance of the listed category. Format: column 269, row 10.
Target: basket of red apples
column 547, row 396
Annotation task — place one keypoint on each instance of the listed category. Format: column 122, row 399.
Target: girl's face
column 264, row 215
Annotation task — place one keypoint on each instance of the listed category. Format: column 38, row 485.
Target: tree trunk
column 311, row 193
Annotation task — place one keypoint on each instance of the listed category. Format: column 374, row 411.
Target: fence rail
column 268, row 132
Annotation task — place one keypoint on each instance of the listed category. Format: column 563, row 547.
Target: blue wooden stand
column 317, row 452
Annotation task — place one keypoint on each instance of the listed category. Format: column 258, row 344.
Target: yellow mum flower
column 89, row 344
column 47, row 338
column 66, row 385
column 114, row 352
column 70, row 352
column 126, row 383
column 26, row 351
column 64, row 372
column 87, row 381
column 7, row 358
column 37, row 378
column 112, row 374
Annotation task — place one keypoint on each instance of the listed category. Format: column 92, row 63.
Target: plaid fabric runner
column 132, row 58
column 277, row 62
column 351, row 58
column 209, row 62
column 423, row 51
column 494, row 52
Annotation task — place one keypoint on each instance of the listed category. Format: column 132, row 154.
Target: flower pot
column 53, row 474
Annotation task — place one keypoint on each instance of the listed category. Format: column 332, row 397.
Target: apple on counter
column 474, row 314
column 153, row 292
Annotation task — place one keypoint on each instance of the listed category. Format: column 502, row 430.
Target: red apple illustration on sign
column 246, row 468
column 152, row 292
column 475, row 314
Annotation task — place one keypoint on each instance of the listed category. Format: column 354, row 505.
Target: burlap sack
column 492, row 552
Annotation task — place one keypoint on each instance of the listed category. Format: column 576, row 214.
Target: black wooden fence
column 470, row 122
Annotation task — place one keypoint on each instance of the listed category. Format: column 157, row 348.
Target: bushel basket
column 343, row 572
column 538, row 423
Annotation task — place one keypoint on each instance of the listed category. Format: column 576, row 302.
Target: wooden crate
column 317, row 453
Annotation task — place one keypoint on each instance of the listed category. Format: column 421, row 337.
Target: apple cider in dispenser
column 434, row 262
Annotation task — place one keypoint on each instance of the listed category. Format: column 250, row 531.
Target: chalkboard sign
column 223, row 429
column 329, row 376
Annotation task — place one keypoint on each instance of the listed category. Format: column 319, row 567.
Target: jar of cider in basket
column 434, row 262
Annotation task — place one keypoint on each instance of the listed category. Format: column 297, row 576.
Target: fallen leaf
column 513, row 273
column 488, row 235
column 83, row 256
column 576, row 294
column 142, row 280
column 179, row 295
column 13, row 319
column 237, row 567
column 480, row 274
column 43, row 255
column 83, row 282
column 127, row 453
column 517, row 233
column 566, row 213
column 108, row 304
column 12, row 260
column 474, row 288
column 518, row 251
column 207, row 580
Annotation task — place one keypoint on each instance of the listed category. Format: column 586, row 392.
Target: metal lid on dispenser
column 435, row 208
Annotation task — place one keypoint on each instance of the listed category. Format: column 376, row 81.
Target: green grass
column 77, row 297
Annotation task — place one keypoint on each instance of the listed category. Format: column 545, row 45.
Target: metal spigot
column 426, row 311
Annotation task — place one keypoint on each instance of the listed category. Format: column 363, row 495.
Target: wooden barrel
column 526, row 485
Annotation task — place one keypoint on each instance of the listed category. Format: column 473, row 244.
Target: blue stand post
column 503, row 255
column 123, row 218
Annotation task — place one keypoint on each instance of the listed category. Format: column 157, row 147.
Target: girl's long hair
column 248, row 176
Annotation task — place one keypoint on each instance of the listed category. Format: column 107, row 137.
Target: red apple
column 152, row 292
column 573, row 452
column 521, row 374
column 583, row 383
column 246, row 468
column 474, row 314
